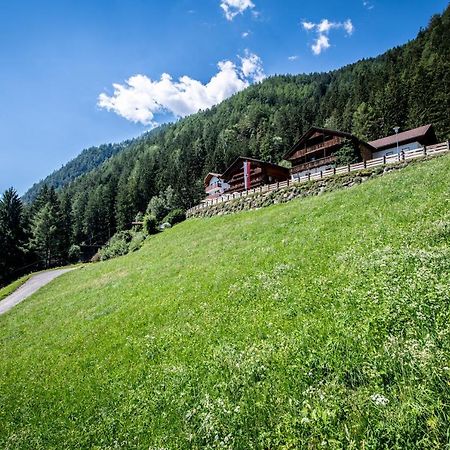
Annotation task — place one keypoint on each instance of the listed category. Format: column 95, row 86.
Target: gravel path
column 30, row 287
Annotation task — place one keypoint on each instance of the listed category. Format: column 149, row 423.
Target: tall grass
column 321, row 323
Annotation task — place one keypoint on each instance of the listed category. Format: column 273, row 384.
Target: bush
column 137, row 241
column 175, row 216
column 161, row 204
column 118, row 245
column 348, row 154
column 74, row 253
column 150, row 224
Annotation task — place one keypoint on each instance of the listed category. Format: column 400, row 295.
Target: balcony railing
column 316, row 148
column 313, row 164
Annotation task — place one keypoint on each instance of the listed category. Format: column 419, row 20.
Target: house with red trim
column 247, row 173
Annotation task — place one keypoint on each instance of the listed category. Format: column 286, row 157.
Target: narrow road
column 30, row 287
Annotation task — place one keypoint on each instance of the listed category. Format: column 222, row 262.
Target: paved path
column 30, row 287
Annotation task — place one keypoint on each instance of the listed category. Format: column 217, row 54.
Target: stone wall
column 297, row 190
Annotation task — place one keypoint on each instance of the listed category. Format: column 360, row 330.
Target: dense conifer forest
column 99, row 193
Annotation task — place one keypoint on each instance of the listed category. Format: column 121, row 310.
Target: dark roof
column 404, row 137
column 257, row 161
column 211, row 175
column 328, row 131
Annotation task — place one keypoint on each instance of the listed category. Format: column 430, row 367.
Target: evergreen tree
column 364, row 123
column 49, row 235
column 12, row 234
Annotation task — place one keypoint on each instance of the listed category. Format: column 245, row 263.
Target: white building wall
column 393, row 150
column 311, row 171
column 215, row 189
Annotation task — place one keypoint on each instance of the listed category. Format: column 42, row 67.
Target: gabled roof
column 405, row 137
column 241, row 160
column 313, row 130
column 211, row 175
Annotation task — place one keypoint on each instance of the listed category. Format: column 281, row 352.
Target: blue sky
column 60, row 59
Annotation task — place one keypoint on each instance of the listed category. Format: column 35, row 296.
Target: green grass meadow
column 323, row 323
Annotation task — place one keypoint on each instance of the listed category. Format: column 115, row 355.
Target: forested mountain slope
column 319, row 323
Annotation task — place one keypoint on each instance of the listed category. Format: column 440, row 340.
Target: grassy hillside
column 321, row 323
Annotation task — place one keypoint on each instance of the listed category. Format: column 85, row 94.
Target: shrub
column 137, row 241
column 74, row 253
column 150, row 224
column 347, row 154
column 118, row 245
column 175, row 216
column 161, row 204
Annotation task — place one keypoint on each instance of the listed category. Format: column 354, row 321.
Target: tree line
column 407, row 86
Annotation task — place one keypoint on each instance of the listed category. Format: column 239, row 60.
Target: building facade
column 316, row 150
column 248, row 173
column 215, row 186
column 407, row 140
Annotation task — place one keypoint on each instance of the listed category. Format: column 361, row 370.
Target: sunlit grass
column 321, row 323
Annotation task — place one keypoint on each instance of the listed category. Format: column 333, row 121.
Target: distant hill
column 407, row 86
column 88, row 160
column 322, row 323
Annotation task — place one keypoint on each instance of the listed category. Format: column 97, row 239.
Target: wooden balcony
column 313, row 164
column 240, row 186
column 320, row 147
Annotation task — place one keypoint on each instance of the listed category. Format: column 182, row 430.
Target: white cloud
column 293, row 58
column 321, row 43
column 140, row 98
column 252, row 67
column 368, row 4
column 322, row 30
column 245, row 34
column 325, row 26
column 349, row 27
column 232, row 8
column 308, row 25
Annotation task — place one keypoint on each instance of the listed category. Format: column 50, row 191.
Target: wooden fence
column 408, row 155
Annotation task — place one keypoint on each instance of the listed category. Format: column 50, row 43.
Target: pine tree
column 364, row 122
column 46, row 240
column 12, row 234
column 48, row 231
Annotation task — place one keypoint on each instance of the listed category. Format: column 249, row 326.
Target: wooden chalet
column 215, row 186
column 248, row 173
column 315, row 150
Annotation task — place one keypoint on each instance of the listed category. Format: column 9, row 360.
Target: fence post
column 321, row 174
column 348, row 167
column 278, row 184
column 365, row 164
column 309, row 176
column 384, row 159
column 288, row 182
column 424, row 150
column 334, row 170
column 448, row 145
column 403, row 155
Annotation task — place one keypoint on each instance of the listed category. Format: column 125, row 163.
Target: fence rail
column 408, row 155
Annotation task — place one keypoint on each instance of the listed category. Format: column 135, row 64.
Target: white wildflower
column 379, row 399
